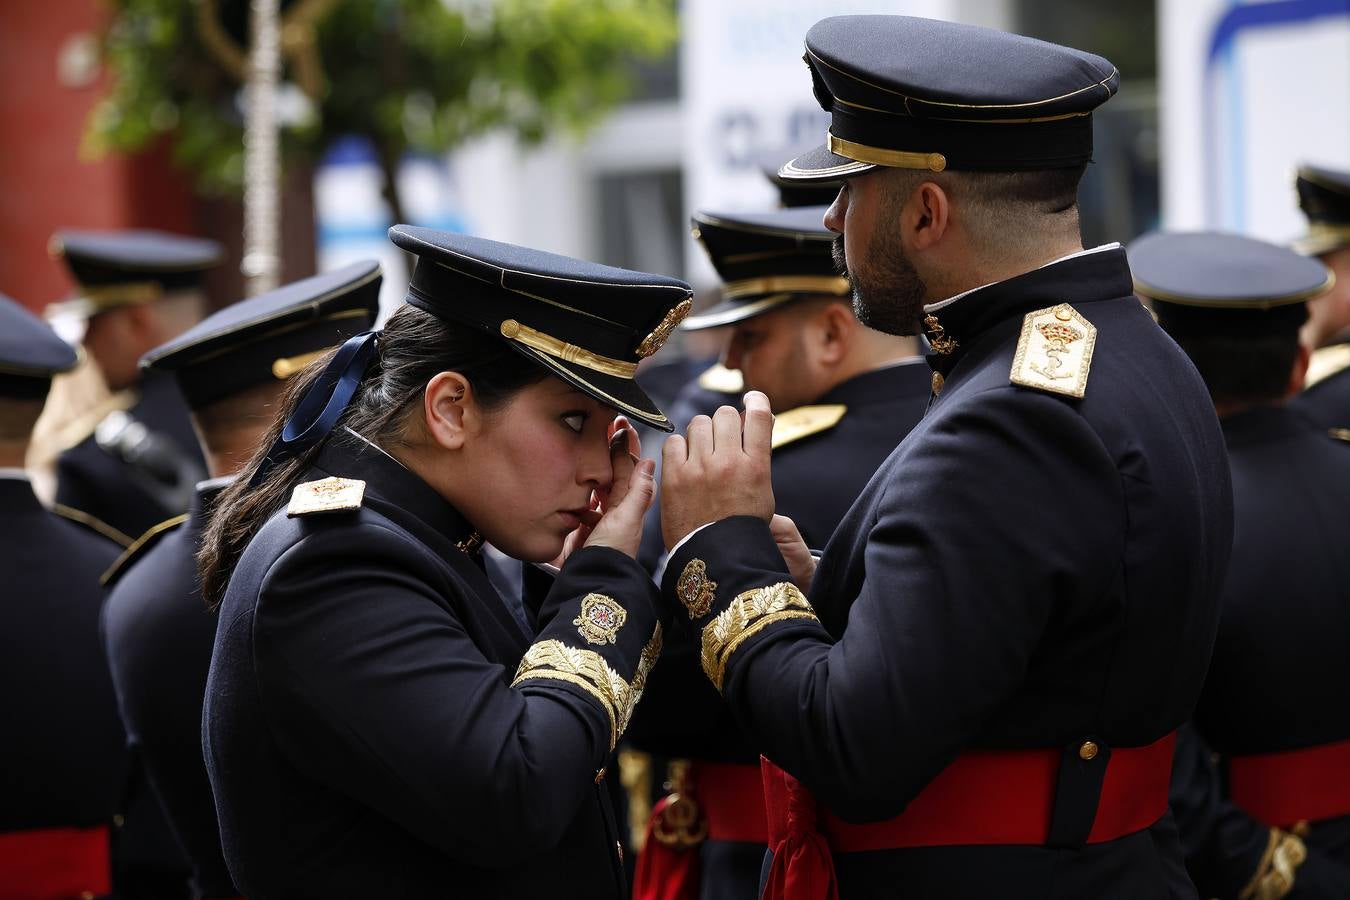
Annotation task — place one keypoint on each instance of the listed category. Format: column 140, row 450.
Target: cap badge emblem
column 654, row 341
column 694, row 588
column 600, row 620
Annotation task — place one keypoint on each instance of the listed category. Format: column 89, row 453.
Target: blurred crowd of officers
column 106, row 642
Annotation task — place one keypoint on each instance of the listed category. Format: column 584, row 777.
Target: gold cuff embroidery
column 747, row 615
column 600, row 619
column 694, row 588
column 588, row 670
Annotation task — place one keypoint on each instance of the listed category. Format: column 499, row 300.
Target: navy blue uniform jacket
column 1282, row 656
column 159, row 635
column 63, row 759
column 1026, row 570
column 378, row 725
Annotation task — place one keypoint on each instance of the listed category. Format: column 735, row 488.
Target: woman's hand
column 801, row 564
column 617, row 518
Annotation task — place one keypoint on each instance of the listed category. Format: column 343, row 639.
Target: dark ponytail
column 413, row 348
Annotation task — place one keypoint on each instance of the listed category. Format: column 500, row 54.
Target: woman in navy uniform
column 377, row 724
column 62, row 761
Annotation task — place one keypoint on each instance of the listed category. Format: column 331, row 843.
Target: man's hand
column 801, row 564
column 720, row 469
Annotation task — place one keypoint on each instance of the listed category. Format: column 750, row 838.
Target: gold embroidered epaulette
column 805, row 421
column 138, row 548
column 1054, row 352
column 93, row 523
column 1325, row 362
column 327, row 495
column 719, row 379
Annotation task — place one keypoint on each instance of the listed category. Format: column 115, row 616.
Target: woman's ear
column 450, row 410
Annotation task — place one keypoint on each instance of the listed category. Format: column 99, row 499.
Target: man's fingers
column 758, row 437
column 699, row 436
column 621, row 466
column 726, row 429
column 625, row 517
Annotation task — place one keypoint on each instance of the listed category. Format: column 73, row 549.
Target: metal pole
column 261, row 264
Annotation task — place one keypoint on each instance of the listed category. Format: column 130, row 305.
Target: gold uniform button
column 1063, row 315
column 1088, row 750
column 118, row 821
column 938, row 381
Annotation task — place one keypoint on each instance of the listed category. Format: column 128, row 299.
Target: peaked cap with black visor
column 766, row 260
column 588, row 324
column 906, row 92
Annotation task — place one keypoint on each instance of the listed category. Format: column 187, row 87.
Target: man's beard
column 887, row 296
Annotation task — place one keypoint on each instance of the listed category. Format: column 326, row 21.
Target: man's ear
column 835, row 324
column 450, row 410
column 1299, row 373
column 925, row 216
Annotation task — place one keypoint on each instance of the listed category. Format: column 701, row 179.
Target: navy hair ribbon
column 323, row 404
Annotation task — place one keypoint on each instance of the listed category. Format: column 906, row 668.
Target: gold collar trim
column 560, row 349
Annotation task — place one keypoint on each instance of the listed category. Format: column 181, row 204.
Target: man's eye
column 575, row 421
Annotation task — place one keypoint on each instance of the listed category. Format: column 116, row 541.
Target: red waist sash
column 54, row 863
column 718, row 802
column 1291, row 786
column 982, row 797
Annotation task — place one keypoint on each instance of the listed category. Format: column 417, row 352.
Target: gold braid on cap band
column 1329, row 230
column 880, row 156
column 787, row 284
column 127, row 293
column 556, row 347
column 287, row 366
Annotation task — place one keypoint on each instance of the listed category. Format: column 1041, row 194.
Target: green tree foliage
column 409, row 74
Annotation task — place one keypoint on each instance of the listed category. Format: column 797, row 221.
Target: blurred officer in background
column 63, row 760
column 845, row 396
column 1324, row 195
column 1273, row 706
column 136, row 465
column 231, row 369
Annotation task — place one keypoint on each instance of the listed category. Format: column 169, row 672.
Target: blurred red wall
column 44, row 184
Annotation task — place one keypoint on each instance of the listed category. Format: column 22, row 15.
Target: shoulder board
column 1054, row 352
column 721, row 380
column 1340, row 434
column 805, row 421
column 138, row 548
column 1325, row 362
column 327, row 495
column 80, row 517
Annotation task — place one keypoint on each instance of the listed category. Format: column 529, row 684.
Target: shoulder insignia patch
column 1054, row 352
column 805, row 421
column 80, row 517
column 1325, row 362
column 138, row 548
column 721, row 380
column 326, row 495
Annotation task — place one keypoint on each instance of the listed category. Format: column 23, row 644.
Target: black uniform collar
column 16, row 495
column 1264, row 424
column 954, row 325
column 347, row 455
column 884, row 385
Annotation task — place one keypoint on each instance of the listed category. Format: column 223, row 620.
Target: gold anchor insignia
column 1054, row 352
column 470, row 544
column 937, row 336
column 694, row 588
column 600, row 619
column 678, row 822
column 654, row 341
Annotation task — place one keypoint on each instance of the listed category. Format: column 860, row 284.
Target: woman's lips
column 570, row 517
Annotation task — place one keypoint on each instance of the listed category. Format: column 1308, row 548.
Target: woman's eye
column 575, row 421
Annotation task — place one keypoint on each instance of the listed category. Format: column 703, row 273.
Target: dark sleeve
column 1004, row 507
column 371, row 685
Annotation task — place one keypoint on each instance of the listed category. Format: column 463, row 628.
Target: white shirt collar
column 14, row 473
column 934, row 307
